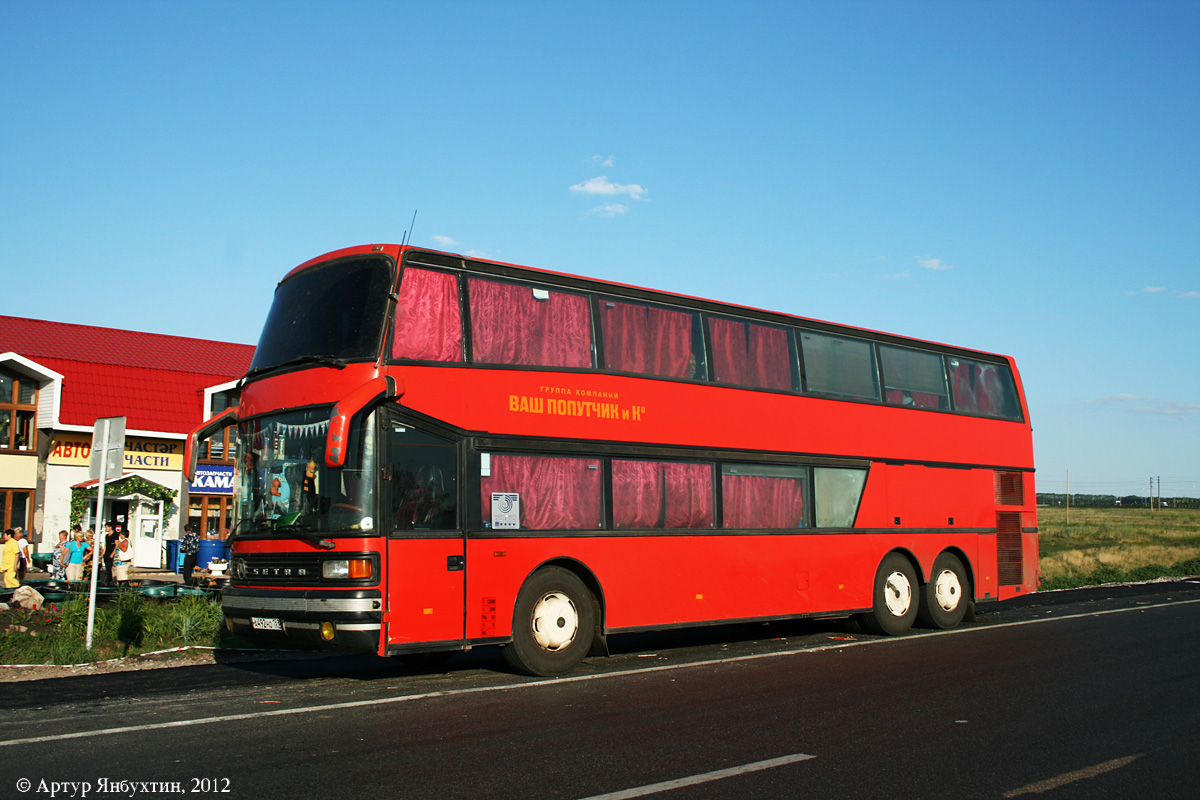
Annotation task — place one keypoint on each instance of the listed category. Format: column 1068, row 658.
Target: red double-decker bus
column 436, row 453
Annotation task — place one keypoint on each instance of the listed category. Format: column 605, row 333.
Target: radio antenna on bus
column 407, row 237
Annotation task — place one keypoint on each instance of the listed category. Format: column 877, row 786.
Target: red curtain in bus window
column 753, row 501
column 728, row 339
column 652, row 341
column 767, row 357
column 962, row 384
column 658, row 494
column 556, row 493
column 689, row 490
column 989, row 390
column 638, row 494
column 428, row 321
column 514, row 324
column 749, row 355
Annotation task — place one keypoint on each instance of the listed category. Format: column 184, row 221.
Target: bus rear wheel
column 553, row 624
column 895, row 597
column 944, row 600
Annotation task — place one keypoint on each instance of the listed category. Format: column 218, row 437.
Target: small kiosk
column 127, row 504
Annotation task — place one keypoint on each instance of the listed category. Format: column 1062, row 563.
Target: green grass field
column 1106, row 545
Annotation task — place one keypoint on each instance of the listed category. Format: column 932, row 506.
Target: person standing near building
column 190, row 547
column 58, row 558
column 122, row 557
column 24, row 553
column 106, row 563
column 77, row 550
column 9, row 555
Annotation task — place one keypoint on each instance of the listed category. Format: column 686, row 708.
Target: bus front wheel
column 895, row 597
column 946, row 597
column 553, row 624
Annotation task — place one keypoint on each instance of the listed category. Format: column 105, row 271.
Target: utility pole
column 1151, row 493
column 1068, row 497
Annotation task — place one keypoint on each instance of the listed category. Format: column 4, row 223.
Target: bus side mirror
column 191, row 448
column 384, row 386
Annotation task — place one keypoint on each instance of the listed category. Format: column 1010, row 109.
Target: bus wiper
column 233, row 534
column 325, row 361
column 302, row 531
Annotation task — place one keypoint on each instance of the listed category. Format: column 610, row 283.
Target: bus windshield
column 283, row 482
column 332, row 312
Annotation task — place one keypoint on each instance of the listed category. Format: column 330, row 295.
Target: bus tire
column 896, row 597
column 944, row 600
column 553, row 624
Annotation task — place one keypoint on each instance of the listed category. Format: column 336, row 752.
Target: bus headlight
column 346, row 569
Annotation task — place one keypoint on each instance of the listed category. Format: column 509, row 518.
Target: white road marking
column 554, row 681
column 1072, row 777
column 692, row 780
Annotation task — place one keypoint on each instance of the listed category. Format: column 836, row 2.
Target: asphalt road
column 1068, row 694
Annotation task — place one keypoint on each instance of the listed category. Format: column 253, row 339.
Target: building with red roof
column 57, row 379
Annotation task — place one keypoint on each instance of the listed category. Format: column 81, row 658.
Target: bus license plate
column 266, row 624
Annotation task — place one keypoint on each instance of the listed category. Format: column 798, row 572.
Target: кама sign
column 212, row 479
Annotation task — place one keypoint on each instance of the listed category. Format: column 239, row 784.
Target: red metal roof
column 155, row 381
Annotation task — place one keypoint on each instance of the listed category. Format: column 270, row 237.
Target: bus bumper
column 311, row 619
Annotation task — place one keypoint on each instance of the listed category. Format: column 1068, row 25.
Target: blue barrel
column 210, row 549
column 174, row 559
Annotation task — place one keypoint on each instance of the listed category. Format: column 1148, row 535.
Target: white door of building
column 146, row 532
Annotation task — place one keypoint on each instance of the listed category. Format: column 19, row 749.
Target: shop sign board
column 75, row 449
column 212, row 479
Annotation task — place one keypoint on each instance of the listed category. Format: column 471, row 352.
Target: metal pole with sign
column 108, row 459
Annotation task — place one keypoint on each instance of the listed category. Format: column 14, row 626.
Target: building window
column 15, row 506
column 18, row 412
column 222, row 447
column 211, row 517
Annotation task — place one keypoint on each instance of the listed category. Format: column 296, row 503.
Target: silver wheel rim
column 947, row 590
column 897, row 594
column 555, row 621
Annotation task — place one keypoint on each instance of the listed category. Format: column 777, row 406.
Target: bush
column 127, row 625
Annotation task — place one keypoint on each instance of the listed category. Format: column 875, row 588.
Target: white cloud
column 610, row 210
column 445, row 241
column 1150, row 405
column 603, row 186
column 1164, row 290
column 1171, row 409
column 1117, row 398
column 934, row 263
column 604, row 161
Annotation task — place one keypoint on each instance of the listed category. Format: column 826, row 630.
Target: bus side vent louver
column 1008, row 547
column 1010, row 489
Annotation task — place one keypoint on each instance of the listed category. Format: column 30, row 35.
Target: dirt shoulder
column 187, row 657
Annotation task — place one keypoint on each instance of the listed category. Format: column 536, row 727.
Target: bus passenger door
column 426, row 555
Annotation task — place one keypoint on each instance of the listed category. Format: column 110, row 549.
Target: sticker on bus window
column 506, row 510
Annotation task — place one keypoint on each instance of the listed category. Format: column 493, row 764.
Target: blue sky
column 1017, row 177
